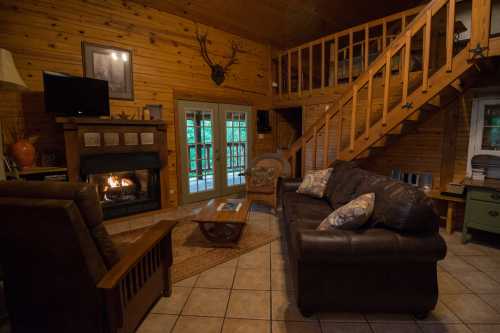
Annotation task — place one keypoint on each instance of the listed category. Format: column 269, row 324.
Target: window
column 485, row 129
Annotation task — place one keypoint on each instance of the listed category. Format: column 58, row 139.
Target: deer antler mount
column 218, row 71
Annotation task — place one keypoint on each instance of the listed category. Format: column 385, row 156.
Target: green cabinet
column 482, row 211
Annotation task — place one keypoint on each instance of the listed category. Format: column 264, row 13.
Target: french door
column 214, row 141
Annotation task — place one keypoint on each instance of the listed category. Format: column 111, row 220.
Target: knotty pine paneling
column 47, row 35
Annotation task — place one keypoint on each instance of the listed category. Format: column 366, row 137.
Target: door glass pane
column 199, row 141
column 237, row 147
column 491, row 130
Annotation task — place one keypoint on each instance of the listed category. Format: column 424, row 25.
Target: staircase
column 355, row 127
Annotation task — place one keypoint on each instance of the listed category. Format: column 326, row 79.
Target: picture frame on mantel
column 112, row 64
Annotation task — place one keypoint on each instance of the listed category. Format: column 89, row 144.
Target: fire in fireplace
column 126, row 183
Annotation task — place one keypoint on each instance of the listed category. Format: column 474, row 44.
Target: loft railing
column 337, row 58
column 454, row 63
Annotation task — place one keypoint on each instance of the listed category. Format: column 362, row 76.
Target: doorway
column 214, row 142
column 288, row 126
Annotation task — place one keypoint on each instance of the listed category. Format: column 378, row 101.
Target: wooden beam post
column 351, row 55
column 325, row 140
column 367, row 47
column 387, row 82
column 280, row 76
column 449, row 144
column 480, row 25
column 353, row 117
column 289, row 74
column 299, row 71
column 322, row 64
column 336, row 65
column 310, row 68
column 406, row 66
column 427, row 50
column 450, row 34
column 369, row 105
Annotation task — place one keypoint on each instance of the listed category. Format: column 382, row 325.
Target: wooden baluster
column 351, row 51
column 303, row 158
column 310, row 68
column 280, row 76
column 339, row 132
column 367, row 47
column 384, row 35
column 315, row 147
column 450, row 28
column 369, row 104
column 480, row 26
column 325, row 140
column 299, row 71
column 289, row 74
column 387, row 82
column 426, row 55
column 403, row 22
column 293, row 162
column 322, row 64
column 406, row 66
column 336, row 64
column 353, row 117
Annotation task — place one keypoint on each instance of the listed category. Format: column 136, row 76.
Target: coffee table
column 222, row 226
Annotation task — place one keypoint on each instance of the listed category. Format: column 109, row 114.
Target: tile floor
column 252, row 294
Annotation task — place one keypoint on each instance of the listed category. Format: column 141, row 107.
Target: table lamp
column 10, row 80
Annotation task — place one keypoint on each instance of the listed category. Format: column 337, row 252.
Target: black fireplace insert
column 127, row 183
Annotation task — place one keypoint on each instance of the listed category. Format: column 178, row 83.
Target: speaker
column 263, row 121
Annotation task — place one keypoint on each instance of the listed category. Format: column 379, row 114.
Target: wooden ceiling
column 282, row 23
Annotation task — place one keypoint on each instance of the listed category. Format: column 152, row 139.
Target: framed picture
column 111, row 64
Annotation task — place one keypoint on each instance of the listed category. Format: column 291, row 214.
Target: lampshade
column 9, row 76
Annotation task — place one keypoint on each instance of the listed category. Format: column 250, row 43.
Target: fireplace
column 126, row 183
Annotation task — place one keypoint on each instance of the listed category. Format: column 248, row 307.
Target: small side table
column 450, row 211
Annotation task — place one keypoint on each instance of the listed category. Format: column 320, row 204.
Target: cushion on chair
column 261, row 177
column 85, row 197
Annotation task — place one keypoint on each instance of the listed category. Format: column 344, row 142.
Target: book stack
column 478, row 174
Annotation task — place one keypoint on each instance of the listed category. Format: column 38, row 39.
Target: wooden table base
column 222, row 232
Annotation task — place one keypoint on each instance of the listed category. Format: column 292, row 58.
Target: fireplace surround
column 124, row 159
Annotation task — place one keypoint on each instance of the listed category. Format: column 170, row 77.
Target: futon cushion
column 305, row 210
column 352, row 215
column 343, row 182
column 315, row 182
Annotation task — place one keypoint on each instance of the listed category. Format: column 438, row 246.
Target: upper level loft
column 322, row 69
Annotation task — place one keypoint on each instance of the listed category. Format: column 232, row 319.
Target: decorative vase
column 23, row 153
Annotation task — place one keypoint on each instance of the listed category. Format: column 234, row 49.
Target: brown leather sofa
column 387, row 266
column 63, row 273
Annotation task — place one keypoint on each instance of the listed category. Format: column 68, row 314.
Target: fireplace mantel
column 95, row 136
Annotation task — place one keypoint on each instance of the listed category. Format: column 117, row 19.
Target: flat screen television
column 71, row 96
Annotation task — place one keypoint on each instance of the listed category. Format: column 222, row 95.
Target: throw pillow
column 352, row 215
column 315, row 182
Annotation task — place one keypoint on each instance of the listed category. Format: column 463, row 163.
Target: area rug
column 194, row 254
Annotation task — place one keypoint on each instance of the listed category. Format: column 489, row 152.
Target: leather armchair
column 62, row 271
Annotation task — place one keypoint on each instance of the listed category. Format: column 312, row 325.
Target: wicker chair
column 263, row 176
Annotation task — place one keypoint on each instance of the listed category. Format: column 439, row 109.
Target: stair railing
column 343, row 56
column 477, row 47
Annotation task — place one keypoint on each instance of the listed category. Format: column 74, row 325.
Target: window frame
column 477, row 129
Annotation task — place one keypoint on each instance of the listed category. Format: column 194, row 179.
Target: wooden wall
column 47, row 35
